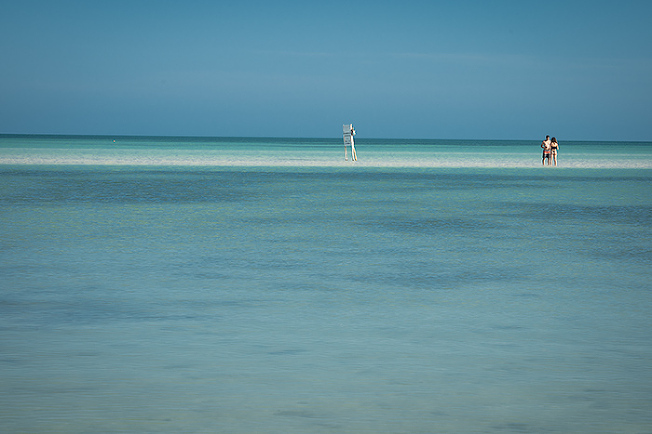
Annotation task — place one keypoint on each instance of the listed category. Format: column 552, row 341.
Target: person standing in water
column 546, row 150
column 553, row 150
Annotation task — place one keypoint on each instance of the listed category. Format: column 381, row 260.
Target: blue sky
column 580, row 70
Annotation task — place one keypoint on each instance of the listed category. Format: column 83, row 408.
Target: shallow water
column 324, row 299
column 277, row 152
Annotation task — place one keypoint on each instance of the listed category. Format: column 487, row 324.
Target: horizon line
column 108, row 136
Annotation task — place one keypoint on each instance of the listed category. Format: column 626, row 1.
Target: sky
column 462, row 69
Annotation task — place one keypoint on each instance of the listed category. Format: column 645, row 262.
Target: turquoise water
column 275, row 152
column 267, row 285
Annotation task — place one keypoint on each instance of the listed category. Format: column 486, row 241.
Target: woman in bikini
column 553, row 150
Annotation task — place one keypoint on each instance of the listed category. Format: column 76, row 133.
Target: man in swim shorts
column 546, row 151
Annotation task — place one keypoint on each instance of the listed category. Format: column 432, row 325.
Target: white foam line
column 154, row 158
column 371, row 163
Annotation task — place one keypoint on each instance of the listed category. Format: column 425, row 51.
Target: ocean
column 268, row 285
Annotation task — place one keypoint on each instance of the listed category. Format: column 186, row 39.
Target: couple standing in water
column 549, row 150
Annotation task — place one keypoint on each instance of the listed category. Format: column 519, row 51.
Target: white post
column 354, row 156
column 347, row 133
